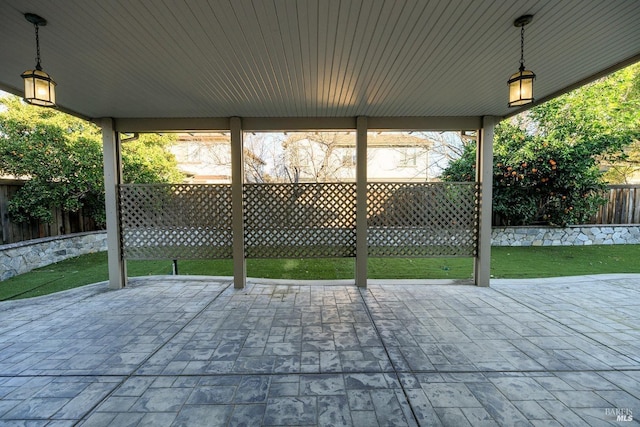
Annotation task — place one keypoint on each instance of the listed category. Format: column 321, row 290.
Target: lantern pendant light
column 39, row 87
column 521, row 83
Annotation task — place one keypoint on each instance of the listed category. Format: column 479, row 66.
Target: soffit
column 313, row 58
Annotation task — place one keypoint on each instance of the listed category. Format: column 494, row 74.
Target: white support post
column 484, row 175
column 112, row 178
column 237, row 184
column 361, row 202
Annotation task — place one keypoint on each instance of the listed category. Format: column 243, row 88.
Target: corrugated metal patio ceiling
column 314, row 58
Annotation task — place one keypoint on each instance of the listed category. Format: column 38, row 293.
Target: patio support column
column 237, row 183
column 484, row 175
column 361, row 202
column 112, row 178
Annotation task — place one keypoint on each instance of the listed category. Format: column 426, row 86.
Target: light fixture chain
column 522, row 47
column 38, row 66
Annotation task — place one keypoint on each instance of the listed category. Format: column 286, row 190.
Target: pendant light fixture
column 521, row 83
column 39, row 88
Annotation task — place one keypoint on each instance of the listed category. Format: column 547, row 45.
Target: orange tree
column 546, row 161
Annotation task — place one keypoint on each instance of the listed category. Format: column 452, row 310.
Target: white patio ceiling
column 310, row 58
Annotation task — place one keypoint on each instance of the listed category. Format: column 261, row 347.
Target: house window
column 408, row 157
column 349, row 158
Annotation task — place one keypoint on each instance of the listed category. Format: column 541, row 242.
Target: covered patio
column 254, row 66
column 196, row 351
column 210, row 351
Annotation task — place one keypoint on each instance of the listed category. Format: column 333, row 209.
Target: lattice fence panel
column 176, row 221
column 300, row 220
column 422, row 219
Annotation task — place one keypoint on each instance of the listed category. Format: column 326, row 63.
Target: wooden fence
column 622, row 207
column 62, row 223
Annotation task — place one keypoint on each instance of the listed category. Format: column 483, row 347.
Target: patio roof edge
column 436, row 123
column 160, row 124
column 19, row 93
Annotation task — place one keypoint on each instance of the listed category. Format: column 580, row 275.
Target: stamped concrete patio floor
column 194, row 351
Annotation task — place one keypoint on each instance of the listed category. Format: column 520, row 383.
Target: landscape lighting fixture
column 39, row 88
column 521, row 83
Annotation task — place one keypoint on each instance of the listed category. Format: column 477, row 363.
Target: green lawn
column 527, row 262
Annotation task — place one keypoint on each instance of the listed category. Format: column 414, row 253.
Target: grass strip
column 506, row 262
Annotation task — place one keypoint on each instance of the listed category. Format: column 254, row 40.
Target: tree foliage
column 146, row 159
column 547, row 161
column 60, row 157
column 624, row 169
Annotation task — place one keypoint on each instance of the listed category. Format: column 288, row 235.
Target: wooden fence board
column 622, row 207
column 62, row 222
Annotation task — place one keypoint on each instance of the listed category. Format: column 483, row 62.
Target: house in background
column 399, row 157
column 391, row 156
column 205, row 158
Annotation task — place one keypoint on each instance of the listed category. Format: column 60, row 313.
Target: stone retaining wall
column 18, row 258
column 573, row 235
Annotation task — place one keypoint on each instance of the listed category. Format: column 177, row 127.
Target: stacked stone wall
column 569, row 236
column 18, row 258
